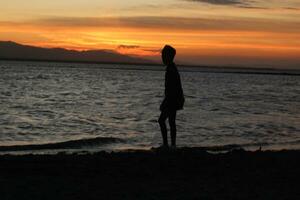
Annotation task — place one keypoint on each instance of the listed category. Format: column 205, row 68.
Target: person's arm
column 167, row 90
column 169, row 84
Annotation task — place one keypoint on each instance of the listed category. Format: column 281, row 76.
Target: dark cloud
column 250, row 4
column 253, row 7
column 247, row 4
column 221, row 2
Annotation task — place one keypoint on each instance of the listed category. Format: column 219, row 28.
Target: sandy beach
column 187, row 173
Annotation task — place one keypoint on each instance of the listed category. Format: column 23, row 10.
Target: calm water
column 110, row 107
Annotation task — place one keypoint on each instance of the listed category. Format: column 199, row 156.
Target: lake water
column 91, row 107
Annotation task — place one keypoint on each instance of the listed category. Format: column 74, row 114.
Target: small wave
column 190, row 96
column 119, row 117
column 68, row 93
column 41, row 76
column 6, row 93
column 71, row 144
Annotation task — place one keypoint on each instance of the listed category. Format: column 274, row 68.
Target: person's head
column 167, row 54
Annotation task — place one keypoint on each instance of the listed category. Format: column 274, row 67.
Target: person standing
column 174, row 98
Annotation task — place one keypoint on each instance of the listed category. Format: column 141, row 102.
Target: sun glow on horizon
column 236, row 33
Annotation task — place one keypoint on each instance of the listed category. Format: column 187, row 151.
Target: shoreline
column 187, row 173
column 112, row 145
column 60, row 148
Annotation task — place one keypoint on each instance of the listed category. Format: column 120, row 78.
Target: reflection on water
column 55, row 102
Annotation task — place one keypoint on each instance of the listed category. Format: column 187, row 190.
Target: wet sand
column 188, row 173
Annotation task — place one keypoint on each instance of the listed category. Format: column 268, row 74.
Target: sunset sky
column 251, row 33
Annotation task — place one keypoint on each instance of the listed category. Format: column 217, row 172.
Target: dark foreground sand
column 188, row 173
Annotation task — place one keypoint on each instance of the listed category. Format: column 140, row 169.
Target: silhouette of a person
column 174, row 98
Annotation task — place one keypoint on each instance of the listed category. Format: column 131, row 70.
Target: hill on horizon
column 12, row 50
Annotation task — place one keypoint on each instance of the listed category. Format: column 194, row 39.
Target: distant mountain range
column 13, row 51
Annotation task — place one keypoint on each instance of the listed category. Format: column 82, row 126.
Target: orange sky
column 204, row 32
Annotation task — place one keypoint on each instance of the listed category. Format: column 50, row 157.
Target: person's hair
column 169, row 51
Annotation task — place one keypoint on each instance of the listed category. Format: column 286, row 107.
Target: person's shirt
column 173, row 88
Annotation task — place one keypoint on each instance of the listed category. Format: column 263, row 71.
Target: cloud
column 135, row 50
column 137, row 47
column 122, row 46
column 168, row 23
column 253, row 7
column 153, row 50
column 155, row 24
column 292, row 8
column 221, row 2
column 248, row 4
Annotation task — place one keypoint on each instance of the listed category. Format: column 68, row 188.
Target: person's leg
column 172, row 122
column 162, row 118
